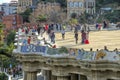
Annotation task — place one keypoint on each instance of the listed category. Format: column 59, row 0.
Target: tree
column 57, row 17
column 82, row 18
column 26, row 15
column 113, row 16
column 73, row 21
column 3, row 76
column 1, row 34
column 6, row 50
column 74, row 15
column 42, row 18
column 10, row 38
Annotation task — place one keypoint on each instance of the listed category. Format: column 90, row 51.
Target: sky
column 4, row 1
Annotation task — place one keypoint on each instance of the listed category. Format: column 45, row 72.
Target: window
column 71, row 4
column 81, row 4
column 76, row 4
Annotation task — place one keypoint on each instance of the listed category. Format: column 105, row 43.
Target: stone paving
column 98, row 39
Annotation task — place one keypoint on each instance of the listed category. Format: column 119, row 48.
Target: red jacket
column 46, row 27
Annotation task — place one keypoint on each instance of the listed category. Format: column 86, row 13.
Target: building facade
column 45, row 9
column 1, row 15
column 80, row 6
column 12, row 21
column 90, row 6
column 9, row 8
column 75, row 6
column 24, row 4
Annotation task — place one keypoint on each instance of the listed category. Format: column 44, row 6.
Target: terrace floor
column 97, row 39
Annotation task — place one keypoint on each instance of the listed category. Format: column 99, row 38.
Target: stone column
column 61, row 73
column 31, row 75
column 74, row 76
column 96, row 75
column 47, row 74
column 53, row 77
column 92, row 78
column 83, row 77
column 25, row 75
column 62, row 78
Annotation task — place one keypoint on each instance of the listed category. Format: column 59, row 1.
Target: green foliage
column 8, row 61
column 10, row 48
column 73, row 21
column 100, row 19
column 1, row 25
column 113, row 16
column 6, row 51
column 26, row 15
column 10, row 38
column 82, row 19
column 3, row 76
column 1, row 28
column 42, row 18
column 74, row 15
column 63, row 50
column 103, row 3
column 1, row 34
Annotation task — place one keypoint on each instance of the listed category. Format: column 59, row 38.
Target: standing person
column 76, row 36
column 26, row 30
column 63, row 34
column 38, row 29
column 99, row 27
column 82, row 36
column 96, row 26
column 104, row 24
column 52, row 36
column 85, row 34
column 76, row 28
column 29, row 39
column 56, row 26
column 46, row 27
